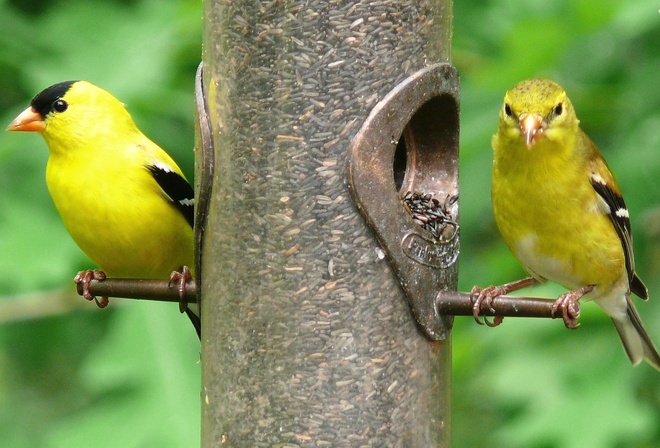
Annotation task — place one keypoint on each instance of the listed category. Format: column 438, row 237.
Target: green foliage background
column 73, row 376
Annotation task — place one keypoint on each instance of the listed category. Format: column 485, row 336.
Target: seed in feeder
column 429, row 213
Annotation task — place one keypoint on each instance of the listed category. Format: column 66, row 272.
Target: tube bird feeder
column 317, row 282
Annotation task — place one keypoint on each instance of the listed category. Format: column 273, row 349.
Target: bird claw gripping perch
column 569, row 306
column 181, row 278
column 84, row 278
column 487, row 296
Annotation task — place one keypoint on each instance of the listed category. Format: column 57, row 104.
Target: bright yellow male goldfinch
column 123, row 199
column 561, row 213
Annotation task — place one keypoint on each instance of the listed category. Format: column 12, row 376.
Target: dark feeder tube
column 308, row 336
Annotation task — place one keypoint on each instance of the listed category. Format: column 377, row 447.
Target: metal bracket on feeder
column 204, row 167
column 403, row 175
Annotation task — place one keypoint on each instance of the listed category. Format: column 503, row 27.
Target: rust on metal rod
column 460, row 304
column 141, row 289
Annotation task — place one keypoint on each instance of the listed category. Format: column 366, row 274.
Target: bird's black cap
column 43, row 102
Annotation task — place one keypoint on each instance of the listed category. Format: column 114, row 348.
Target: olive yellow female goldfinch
column 561, row 213
column 123, row 199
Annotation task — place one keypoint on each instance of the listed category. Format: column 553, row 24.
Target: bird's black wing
column 620, row 217
column 176, row 188
column 179, row 191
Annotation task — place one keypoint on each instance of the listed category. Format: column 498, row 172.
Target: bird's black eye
column 60, row 105
column 507, row 110
column 558, row 109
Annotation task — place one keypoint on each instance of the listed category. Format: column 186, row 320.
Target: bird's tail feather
column 197, row 323
column 635, row 339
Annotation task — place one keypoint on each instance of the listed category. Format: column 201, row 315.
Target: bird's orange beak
column 28, row 121
column 532, row 128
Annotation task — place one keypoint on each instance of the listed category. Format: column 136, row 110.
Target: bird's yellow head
column 69, row 114
column 535, row 110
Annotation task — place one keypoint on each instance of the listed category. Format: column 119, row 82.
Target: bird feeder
column 318, row 284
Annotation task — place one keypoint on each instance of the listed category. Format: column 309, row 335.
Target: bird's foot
column 181, row 278
column 568, row 308
column 482, row 297
column 488, row 295
column 84, row 277
column 568, row 305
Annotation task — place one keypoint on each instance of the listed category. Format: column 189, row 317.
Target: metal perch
column 448, row 303
column 129, row 288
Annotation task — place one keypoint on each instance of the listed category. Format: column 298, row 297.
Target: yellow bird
column 561, row 213
column 123, row 199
